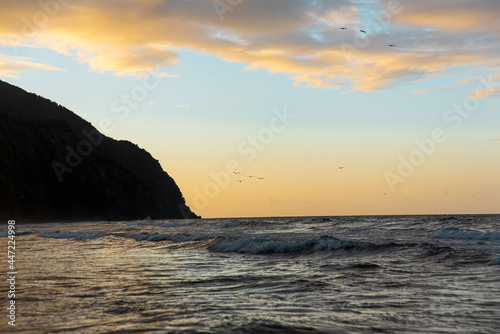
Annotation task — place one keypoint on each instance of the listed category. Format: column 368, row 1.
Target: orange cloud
column 297, row 37
column 426, row 91
column 452, row 16
column 10, row 66
column 487, row 93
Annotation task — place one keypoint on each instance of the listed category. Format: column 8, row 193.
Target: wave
column 154, row 223
column 265, row 326
column 246, row 223
column 80, row 236
column 306, row 245
column 494, row 262
column 178, row 237
column 455, row 233
column 253, row 245
column 4, row 234
column 72, row 235
column 267, row 246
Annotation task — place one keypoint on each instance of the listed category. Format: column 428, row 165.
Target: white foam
column 262, row 246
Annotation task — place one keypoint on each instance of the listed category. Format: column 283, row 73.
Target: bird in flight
column 343, row 28
column 240, row 180
column 341, row 167
column 391, row 45
column 362, row 31
column 236, row 173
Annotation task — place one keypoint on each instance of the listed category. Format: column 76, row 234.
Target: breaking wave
column 266, row 246
column 462, row 253
column 252, row 245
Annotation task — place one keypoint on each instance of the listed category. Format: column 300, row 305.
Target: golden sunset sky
column 270, row 108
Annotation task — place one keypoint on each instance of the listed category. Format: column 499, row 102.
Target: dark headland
column 55, row 166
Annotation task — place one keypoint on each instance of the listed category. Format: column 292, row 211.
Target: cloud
column 300, row 38
column 498, row 139
column 486, row 93
column 426, row 91
column 11, row 66
column 166, row 75
column 183, row 105
column 135, row 61
column 486, row 87
column 452, row 16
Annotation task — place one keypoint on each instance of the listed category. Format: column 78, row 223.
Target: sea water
column 370, row 274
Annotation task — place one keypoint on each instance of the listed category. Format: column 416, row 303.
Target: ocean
column 354, row 274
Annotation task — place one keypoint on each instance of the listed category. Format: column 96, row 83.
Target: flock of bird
column 364, row 32
column 249, row 176
column 261, row 178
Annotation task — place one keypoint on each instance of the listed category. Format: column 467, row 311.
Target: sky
column 281, row 107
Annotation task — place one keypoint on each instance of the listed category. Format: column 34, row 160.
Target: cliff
column 55, row 166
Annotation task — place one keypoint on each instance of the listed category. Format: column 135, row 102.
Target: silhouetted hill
column 55, row 166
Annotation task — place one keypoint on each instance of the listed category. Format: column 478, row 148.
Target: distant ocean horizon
column 325, row 274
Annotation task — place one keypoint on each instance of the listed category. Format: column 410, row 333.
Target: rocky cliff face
column 55, row 166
